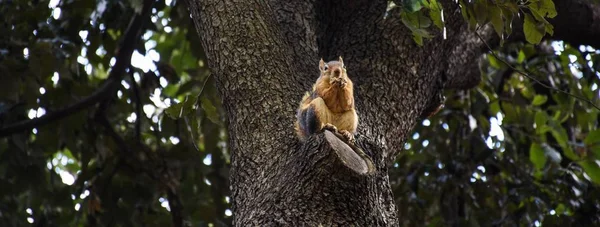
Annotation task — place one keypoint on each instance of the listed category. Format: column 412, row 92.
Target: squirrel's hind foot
column 330, row 127
column 348, row 136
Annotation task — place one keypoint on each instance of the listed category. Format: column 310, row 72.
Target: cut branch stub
column 351, row 156
column 325, row 182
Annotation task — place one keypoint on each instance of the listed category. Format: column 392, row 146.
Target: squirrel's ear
column 321, row 65
column 341, row 61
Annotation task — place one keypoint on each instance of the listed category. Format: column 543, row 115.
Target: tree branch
column 176, row 207
column 326, row 173
column 350, row 156
column 138, row 106
column 123, row 60
column 298, row 27
column 152, row 167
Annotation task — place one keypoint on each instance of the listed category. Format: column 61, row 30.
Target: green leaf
column 435, row 13
column 560, row 134
column 181, row 109
column 416, row 22
column 495, row 14
column 416, row 19
column 464, row 10
column 543, row 23
column 521, row 57
column 537, row 156
column 192, row 127
column 540, row 120
column 544, row 7
column 494, row 62
column 467, row 12
column 483, row 123
column 210, row 110
column 539, row 100
column 560, row 209
column 533, row 32
column 592, row 169
column 494, row 107
column 480, row 7
column 561, row 116
column 549, row 29
column 508, row 19
column 412, row 5
column 593, row 138
column 418, row 39
column 175, row 111
column 510, row 113
column 509, row 6
column 592, row 141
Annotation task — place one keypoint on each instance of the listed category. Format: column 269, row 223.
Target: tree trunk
column 264, row 55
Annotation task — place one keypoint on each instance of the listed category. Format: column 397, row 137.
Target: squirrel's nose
column 337, row 72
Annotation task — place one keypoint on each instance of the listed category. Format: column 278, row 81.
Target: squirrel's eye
column 326, row 68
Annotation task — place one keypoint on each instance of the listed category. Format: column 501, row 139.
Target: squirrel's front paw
column 341, row 82
column 348, row 136
column 330, row 127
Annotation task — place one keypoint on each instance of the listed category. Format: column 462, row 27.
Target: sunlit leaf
column 413, row 5
column 540, row 121
column 539, row 100
column 591, row 169
column 544, row 7
column 435, row 13
column 537, row 156
column 533, row 32
column 521, row 57
column 495, row 62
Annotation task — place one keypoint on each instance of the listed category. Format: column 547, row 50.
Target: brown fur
column 334, row 101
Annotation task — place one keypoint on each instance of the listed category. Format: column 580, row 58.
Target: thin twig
column 191, row 131
column 533, row 78
column 176, row 207
column 185, row 118
column 202, row 89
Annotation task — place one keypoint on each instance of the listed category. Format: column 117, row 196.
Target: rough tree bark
column 265, row 54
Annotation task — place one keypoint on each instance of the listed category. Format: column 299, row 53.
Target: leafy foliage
column 418, row 14
column 123, row 161
column 510, row 152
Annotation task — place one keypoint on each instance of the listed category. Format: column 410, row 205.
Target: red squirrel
column 330, row 104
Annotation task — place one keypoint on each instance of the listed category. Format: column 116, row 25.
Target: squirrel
column 330, row 104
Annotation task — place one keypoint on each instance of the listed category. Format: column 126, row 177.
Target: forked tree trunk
column 264, row 55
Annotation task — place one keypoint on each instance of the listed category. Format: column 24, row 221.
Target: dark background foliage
column 510, row 151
